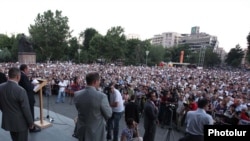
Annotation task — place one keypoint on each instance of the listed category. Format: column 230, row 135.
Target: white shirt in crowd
column 62, row 85
column 117, row 97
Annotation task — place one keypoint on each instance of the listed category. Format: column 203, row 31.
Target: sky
column 227, row 19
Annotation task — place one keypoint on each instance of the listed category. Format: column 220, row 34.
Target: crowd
column 177, row 89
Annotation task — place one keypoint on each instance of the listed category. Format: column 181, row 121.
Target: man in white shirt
column 117, row 106
column 196, row 120
column 61, row 93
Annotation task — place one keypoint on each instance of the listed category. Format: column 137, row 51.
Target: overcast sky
column 227, row 19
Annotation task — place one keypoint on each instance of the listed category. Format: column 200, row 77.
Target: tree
column 175, row 52
column 72, row 49
column 211, row 58
column 248, row 41
column 5, row 42
column 8, row 47
column 248, row 47
column 115, row 44
column 156, row 55
column 235, row 56
column 50, row 34
column 133, row 52
column 97, row 48
column 88, row 35
column 5, row 55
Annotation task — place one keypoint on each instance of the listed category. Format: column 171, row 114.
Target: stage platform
column 61, row 129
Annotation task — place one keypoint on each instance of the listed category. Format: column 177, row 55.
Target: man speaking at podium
column 28, row 86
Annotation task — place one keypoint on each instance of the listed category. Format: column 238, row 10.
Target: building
column 133, row 36
column 166, row 39
column 197, row 40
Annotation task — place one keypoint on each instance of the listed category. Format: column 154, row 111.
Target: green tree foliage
column 211, row 59
column 192, row 57
column 5, row 55
column 50, row 33
column 167, row 55
column 115, row 44
column 72, row 49
column 234, row 57
column 8, row 46
column 88, row 35
column 5, row 41
column 248, row 47
column 97, row 49
column 176, row 51
column 134, row 54
column 248, row 41
column 156, row 55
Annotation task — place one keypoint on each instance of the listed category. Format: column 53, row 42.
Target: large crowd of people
column 177, row 89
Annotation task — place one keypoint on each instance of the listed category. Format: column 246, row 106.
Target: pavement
column 68, row 109
column 62, row 124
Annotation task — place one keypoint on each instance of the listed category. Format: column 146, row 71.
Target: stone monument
column 26, row 54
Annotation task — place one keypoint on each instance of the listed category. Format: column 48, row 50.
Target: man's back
column 14, row 106
column 132, row 111
column 93, row 111
column 196, row 120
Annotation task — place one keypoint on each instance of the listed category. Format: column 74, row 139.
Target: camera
column 171, row 106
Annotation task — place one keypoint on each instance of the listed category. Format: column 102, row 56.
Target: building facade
column 195, row 40
column 167, row 39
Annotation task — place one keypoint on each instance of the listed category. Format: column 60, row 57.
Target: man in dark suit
column 132, row 110
column 28, row 86
column 3, row 78
column 150, row 117
column 14, row 105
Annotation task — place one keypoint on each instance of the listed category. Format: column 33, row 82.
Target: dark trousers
column 190, row 137
column 113, row 123
column 32, row 111
column 19, row 136
column 149, row 134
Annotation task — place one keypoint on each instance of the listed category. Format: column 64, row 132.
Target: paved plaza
column 67, row 109
column 63, row 124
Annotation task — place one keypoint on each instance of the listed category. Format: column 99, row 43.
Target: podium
column 41, row 123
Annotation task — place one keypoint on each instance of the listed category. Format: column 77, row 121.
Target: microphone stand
column 48, row 94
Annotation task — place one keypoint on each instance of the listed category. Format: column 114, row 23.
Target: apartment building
column 133, row 36
column 166, row 39
column 195, row 40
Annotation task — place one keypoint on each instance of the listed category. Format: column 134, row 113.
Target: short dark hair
column 14, row 72
column 202, row 102
column 92, row 77
column 132, row 97
column 23, row 67
column 149, row 95
column 130, row 121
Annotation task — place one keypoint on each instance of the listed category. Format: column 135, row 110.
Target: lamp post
column 79, row 51
column 147, row 52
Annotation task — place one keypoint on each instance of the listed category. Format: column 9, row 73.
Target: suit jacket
column 26, row 84
column 132, row 111
column 14, row 105
column 93, row 111
column 150, row 115
column 3, row 78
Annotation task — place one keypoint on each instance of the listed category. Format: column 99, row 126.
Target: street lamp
column 147, row 52
column 79, row 51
